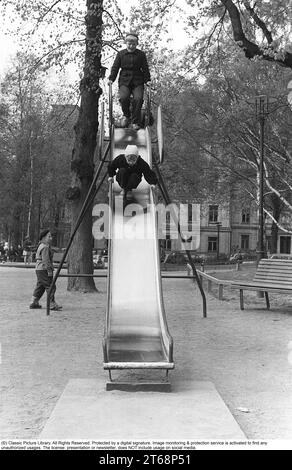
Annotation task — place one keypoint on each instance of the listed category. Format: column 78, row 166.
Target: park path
column 245, row 354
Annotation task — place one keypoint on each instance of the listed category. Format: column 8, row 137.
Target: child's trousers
column 125, row 94
column 44, row 282
column 127, row 180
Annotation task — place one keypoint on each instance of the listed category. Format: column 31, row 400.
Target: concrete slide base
column 139, row 387
column 193, row 410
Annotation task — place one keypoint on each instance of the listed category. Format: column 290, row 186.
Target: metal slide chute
column 136, row 333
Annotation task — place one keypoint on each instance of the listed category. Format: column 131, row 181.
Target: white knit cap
column 132, row 150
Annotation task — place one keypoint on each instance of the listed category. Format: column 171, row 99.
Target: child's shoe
column 35, row 304
column 55, row 306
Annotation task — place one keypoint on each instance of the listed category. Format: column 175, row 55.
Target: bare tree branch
column 41, row 17
column 51, row 51
column 114, row 22
column 220, row 21
column 260, row 23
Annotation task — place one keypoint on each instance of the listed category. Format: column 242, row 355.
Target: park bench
column 272, row 275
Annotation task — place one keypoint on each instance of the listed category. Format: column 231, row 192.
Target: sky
column 180, row 38
column 7, row 48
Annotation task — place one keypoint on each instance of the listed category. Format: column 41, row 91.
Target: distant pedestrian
column 6, row 251
column 44, row 271
column 27, row 251
column 189, row 270
column 2, row 253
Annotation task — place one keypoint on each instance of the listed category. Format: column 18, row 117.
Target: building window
column 212, row 244
column 213, row 214
column 167, row 225
column 244, row 245
column 245, row 216
column 168, row 242
column 285, row 245
column 190, row 217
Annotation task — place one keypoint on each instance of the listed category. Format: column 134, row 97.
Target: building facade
column 230, row 227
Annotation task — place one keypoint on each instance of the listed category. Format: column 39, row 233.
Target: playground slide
column 136, row 333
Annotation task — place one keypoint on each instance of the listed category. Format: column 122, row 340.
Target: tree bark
column 82, row 166
column 277, row 209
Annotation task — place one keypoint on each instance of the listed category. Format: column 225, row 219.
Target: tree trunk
column 16, row 233
column 82, row 166
column 31, row 158
column 38, row 220
column 56, row 222
column 274, row 237
column 277, row 206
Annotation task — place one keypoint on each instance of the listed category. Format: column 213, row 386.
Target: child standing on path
column 44, row 271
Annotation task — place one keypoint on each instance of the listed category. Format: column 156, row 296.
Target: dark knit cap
column 43, row 233
column 132, row 33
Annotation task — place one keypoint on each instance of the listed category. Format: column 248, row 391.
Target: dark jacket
column 134, row 68
column 140, row 168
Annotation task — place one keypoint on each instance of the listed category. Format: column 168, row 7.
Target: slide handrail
column 110, row 96
column 101, row 133
column 148, row 106
column 160, row 134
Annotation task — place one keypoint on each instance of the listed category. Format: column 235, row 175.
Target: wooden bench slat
column 263, row 289
column 272, row 282
column 275, row 260
column 272, row 273
column 271, row 268
column 262, row 286
column 273, row 279
column 275, row 268
column 280, row 271
column 265, row 281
